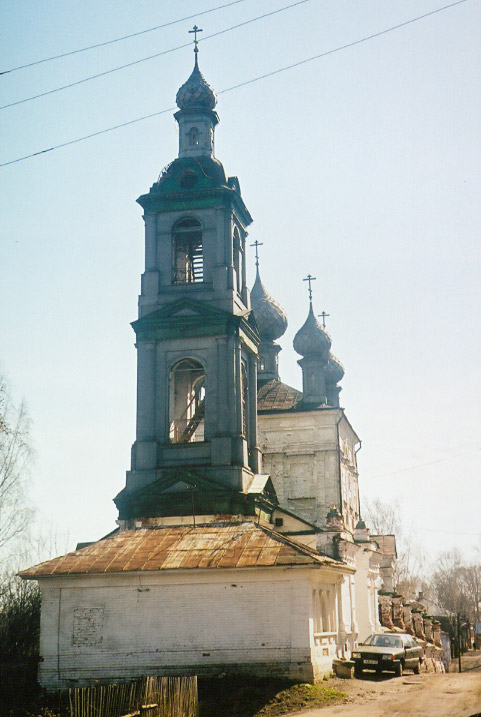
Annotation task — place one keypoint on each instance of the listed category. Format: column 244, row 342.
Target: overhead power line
column 151, row 57
column 427, row 463
column 119, row 39
column 343, row 47
column 234, row 87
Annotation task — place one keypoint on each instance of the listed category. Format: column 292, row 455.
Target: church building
column 240, row 547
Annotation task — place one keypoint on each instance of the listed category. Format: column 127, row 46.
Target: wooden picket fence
column 148, row 697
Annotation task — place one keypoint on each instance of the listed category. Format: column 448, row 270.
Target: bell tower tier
column 196, row 337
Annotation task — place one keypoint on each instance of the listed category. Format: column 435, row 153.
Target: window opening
column 244, row 397
column 187, row 402
column 238, row 260
column 188, row 257
column 194, row 137
column 324, row 613
column 316, row 605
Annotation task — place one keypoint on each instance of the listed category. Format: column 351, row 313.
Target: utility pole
column 459, row 642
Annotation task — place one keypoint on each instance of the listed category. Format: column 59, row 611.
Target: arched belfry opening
column 195, row 332
column 238, row 252
column 187, row 402
column 187, row 252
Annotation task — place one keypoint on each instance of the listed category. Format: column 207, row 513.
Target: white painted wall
column 121, row 626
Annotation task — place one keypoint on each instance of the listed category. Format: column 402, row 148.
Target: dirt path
column 426, row 695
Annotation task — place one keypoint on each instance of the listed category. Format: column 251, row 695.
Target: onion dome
column 334, row 370
column 312, row 339
column 270, row 317
column 196, row 93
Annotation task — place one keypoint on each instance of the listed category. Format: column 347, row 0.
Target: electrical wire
column 342, row 47
column 428, row 463
column 119, row 39
column 229, row 89
column 151, row 57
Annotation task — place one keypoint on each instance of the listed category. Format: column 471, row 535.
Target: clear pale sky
column 362, row 168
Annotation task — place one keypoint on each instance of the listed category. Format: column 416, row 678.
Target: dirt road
column 425, row 695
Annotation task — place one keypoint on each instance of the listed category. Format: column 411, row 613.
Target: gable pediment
column 175, row 481
column 185, row 313
column 177, row 487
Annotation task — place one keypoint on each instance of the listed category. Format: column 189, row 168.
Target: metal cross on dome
column 310, row 278
column 195, row 30
column 257, row 244
column 323, row 315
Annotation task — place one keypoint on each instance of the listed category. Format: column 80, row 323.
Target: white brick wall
column 301, row 454
column 120, row 626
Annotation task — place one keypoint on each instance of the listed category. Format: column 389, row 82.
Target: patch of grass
column 299, row 697
column 261, row 697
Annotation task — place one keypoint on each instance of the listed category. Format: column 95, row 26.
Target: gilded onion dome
column 334, row 370
column 196, row 92
column 270, row 317
column 312, row 339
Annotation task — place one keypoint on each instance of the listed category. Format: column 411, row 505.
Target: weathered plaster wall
column 367, row 576
column 116, row 627
column 311, row 467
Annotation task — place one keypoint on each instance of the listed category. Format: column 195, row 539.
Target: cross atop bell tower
column 195, row 336
column 195, row 30
column 196, row 117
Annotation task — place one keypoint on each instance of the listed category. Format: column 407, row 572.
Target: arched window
column 194, row 137
column 187, row 252
column 238, row 259
column 244, row 397
column 187, row 402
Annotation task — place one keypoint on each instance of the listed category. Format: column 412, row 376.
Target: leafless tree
column 382, row 518
column 410, row 569
column 457, row 585
column 15, row 458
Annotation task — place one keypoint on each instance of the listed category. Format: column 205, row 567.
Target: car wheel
column 358, row 671
column 398, row 670
column 417, row 668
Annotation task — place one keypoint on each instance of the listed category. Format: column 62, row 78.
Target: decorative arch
column 187, row 401
column 187, row 251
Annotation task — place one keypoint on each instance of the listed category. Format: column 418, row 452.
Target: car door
column 411, row 658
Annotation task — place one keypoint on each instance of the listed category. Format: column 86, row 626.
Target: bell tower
column 196, row 337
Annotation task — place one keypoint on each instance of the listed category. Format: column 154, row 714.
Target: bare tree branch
column 15, row 459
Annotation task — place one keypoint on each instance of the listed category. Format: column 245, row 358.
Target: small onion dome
column 196, row 92
column 361, row 525
column 312, row 339
column 270, row 317
column 334, row 370
column 333, row 512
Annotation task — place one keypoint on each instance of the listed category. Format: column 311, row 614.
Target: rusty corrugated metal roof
column 277, row 396
column 234, row 545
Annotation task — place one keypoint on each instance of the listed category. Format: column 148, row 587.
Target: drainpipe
column 358, row 496
column 339, row 459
